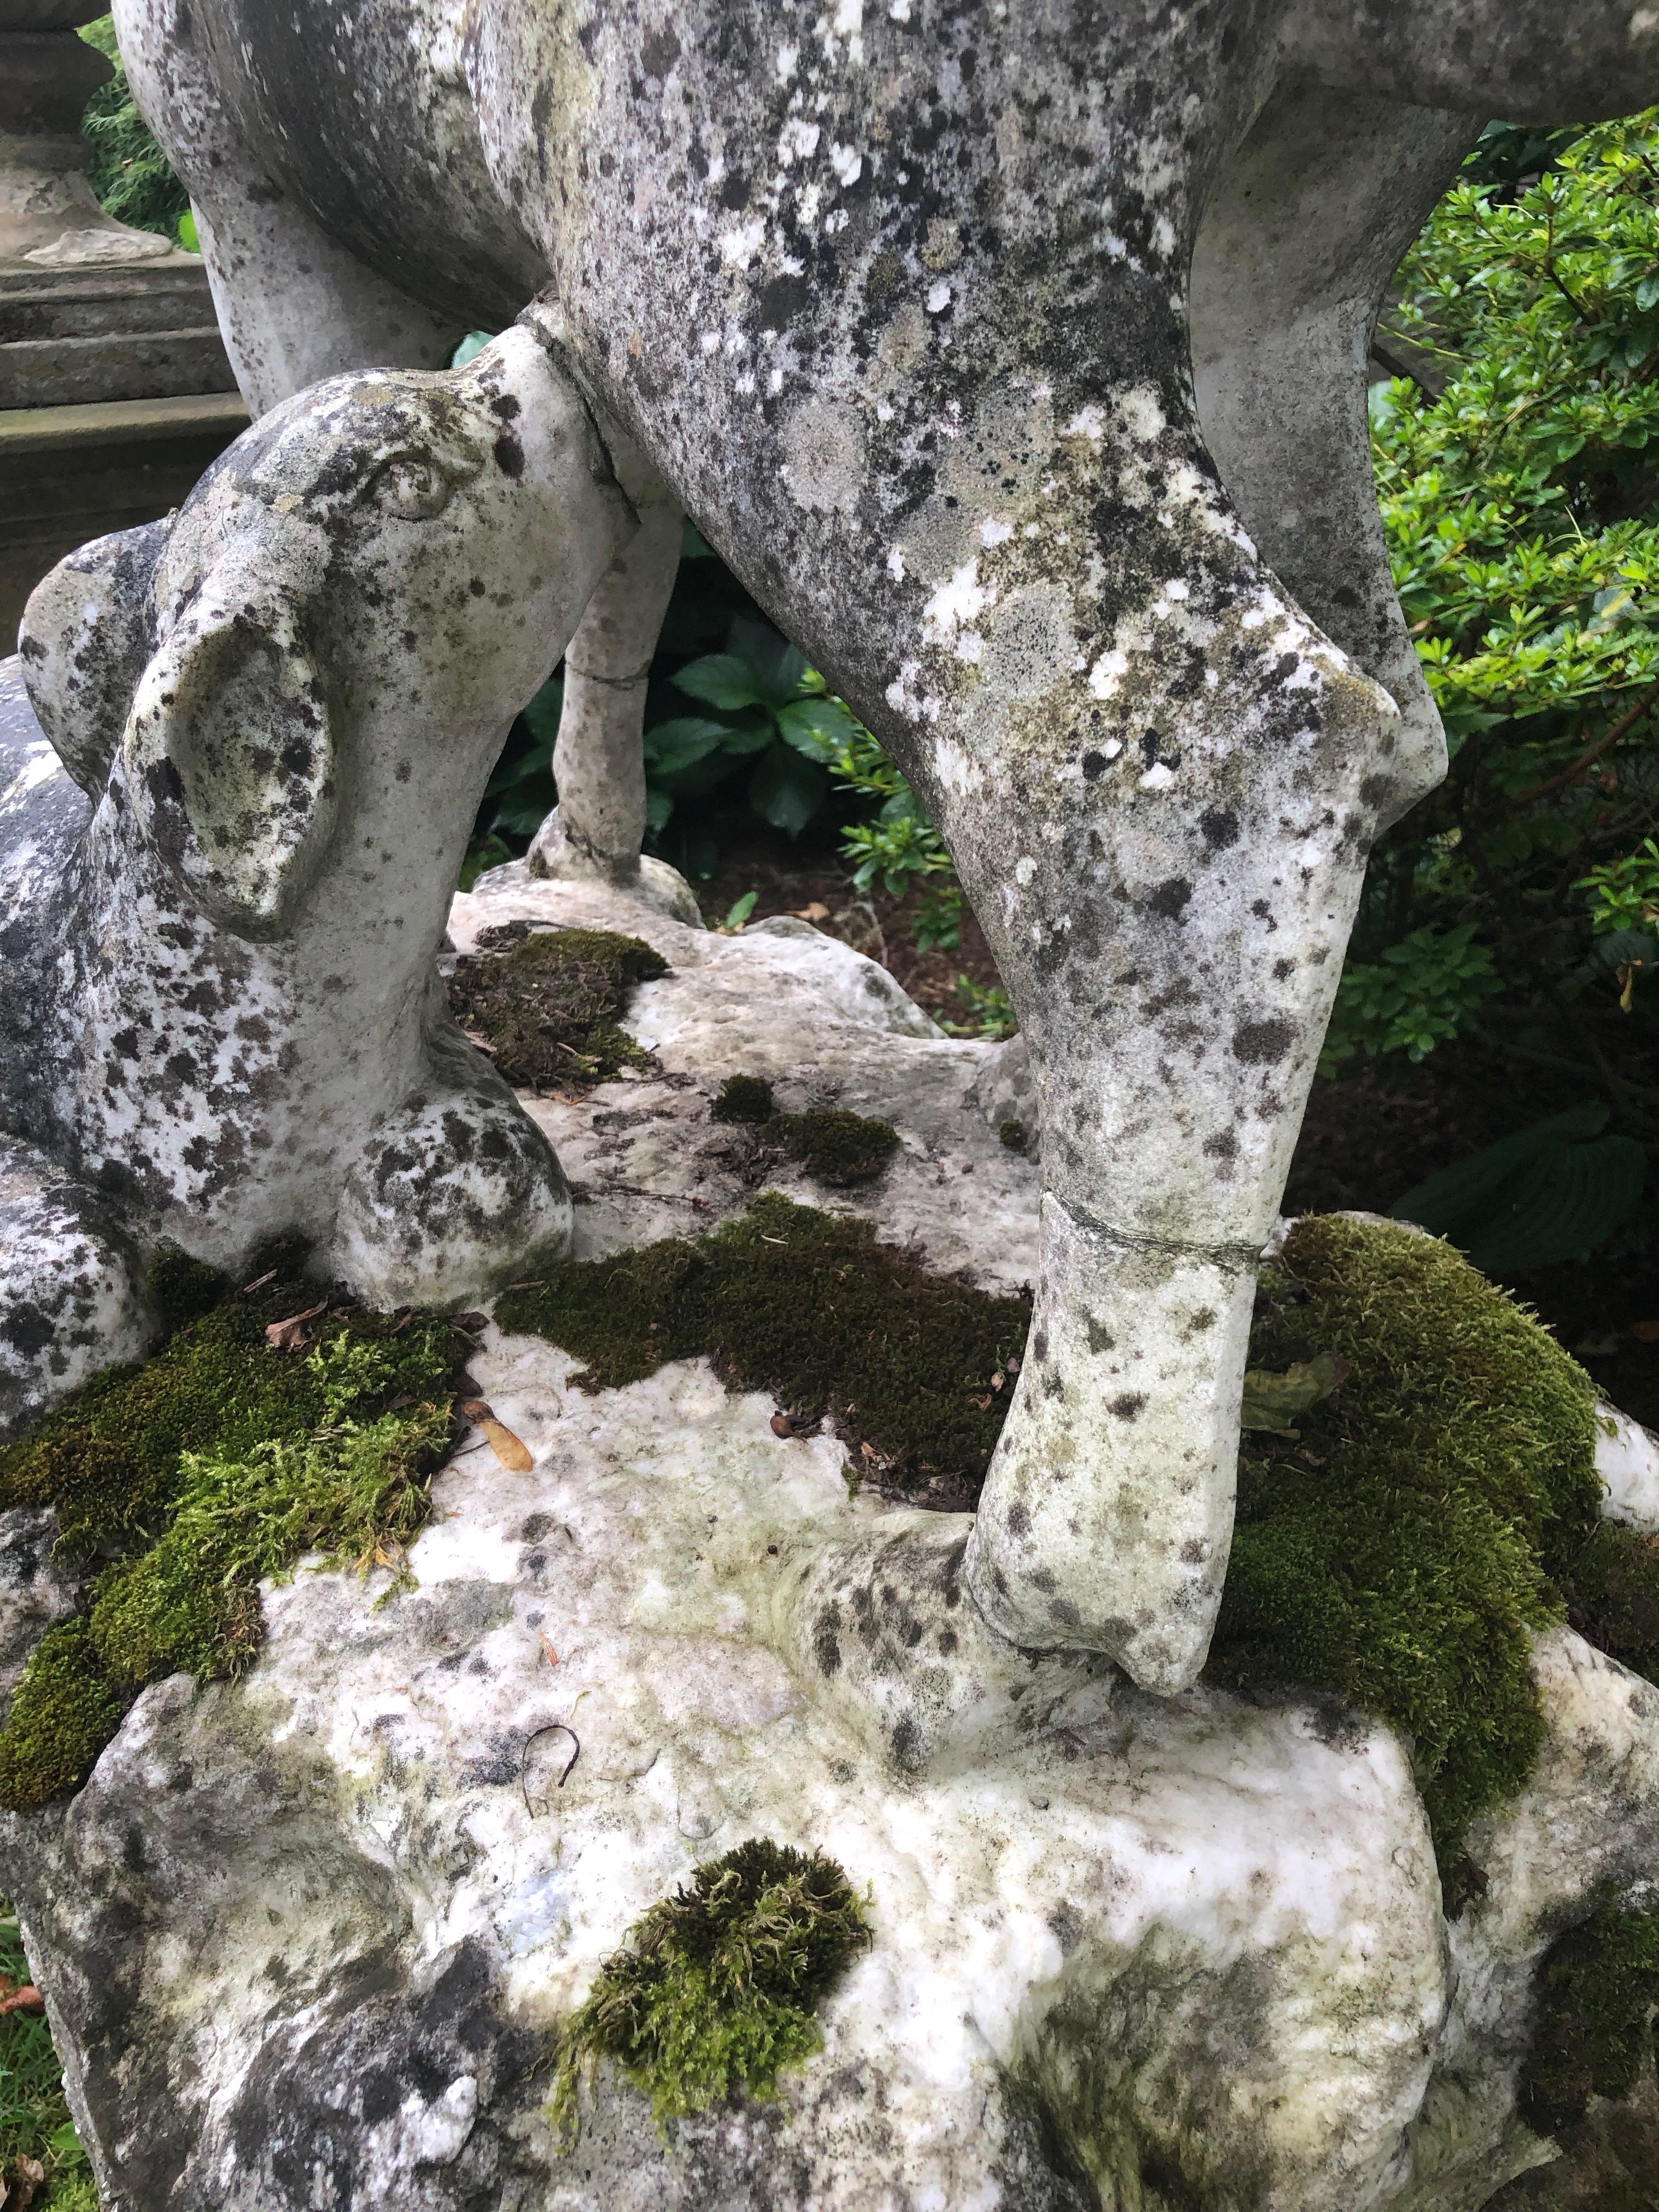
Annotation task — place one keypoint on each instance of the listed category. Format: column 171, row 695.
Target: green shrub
column 129, row 172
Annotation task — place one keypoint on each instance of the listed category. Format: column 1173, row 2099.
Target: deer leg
column 294, row 306
column 598, row 827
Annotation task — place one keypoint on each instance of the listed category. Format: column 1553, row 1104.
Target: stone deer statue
column 1014, row 359
column 223, row 1020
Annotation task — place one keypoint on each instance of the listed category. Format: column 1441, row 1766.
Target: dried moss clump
column 180, row 1484
column 716, row 1989
column 544, row 1003
column 1396, row 1543
column 836, row 1148
column 1598, row 1998
column 913, row 1369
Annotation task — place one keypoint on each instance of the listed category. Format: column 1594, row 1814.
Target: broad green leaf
column 676, row 744
column 822, row 728
column 786, row 790
column 721, row 680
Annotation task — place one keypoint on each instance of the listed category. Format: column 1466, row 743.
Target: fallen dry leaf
column 782, row 1425
column 25, row 1999
column 289, row 1335
column 815, row 912
column 1645, row 1332
column 512, row 1452
column 547, row 1646
column 25, row 2179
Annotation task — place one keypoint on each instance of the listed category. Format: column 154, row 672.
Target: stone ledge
column 32, row 430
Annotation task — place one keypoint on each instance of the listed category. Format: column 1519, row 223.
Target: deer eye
column 411, row 485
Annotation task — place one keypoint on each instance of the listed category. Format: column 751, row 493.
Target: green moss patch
column 914, row 1370
column 39, row 2147
column 716, row 1989
column 1597, row 2003
column 63, row 1713
column 744, row 1098
column 1611, row 1588
column 180, row 1484
column 832, row 1146
column 1400, row 1535
column 545, row 1003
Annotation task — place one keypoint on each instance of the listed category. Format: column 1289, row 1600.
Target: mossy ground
column 1597, row 2002
column 716, row 1988
column 832, row 1146
column 546, row 1002
column 1398, row 1542
column 913, row 1369
column 35, row 2128
column 180, row 1484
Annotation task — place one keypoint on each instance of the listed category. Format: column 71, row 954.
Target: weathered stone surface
column 305, row 1937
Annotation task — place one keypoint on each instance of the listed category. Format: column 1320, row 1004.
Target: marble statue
column 1013, row 358
column 222, row 1023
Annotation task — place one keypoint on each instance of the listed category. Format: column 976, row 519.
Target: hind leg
column 293, row 305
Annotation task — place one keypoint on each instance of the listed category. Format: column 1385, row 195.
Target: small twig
column 553, row 1727
column 1587, row 758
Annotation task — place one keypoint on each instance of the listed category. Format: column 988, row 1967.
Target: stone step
column 117, row 364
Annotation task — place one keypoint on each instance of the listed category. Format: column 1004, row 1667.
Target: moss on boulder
column 912, row 1369
column 180, row 1484
column 1598, row 1998
column 716, row 1989
column 1398, row 1543
column 829, row 1145
column 545, row 1003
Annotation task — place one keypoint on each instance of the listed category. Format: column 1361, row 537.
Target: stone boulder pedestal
column 307, row 1938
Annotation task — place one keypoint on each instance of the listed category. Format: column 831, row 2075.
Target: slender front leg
column 1168, row 872
column 598, row 824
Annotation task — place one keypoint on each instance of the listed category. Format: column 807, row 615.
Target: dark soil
column 810, row 879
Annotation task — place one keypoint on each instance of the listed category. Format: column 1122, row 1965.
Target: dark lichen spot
column 1259, row 1044
column 1220, row 827
column 545, row 1003
column 1130, row 1406
column 1014, row 1135
column 715, row 1990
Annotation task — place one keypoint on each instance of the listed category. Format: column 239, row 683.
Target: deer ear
column 231, row 757
column 87, row 631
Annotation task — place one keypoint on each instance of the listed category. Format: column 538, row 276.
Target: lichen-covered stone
column 282, row 704
column 1015, row 362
